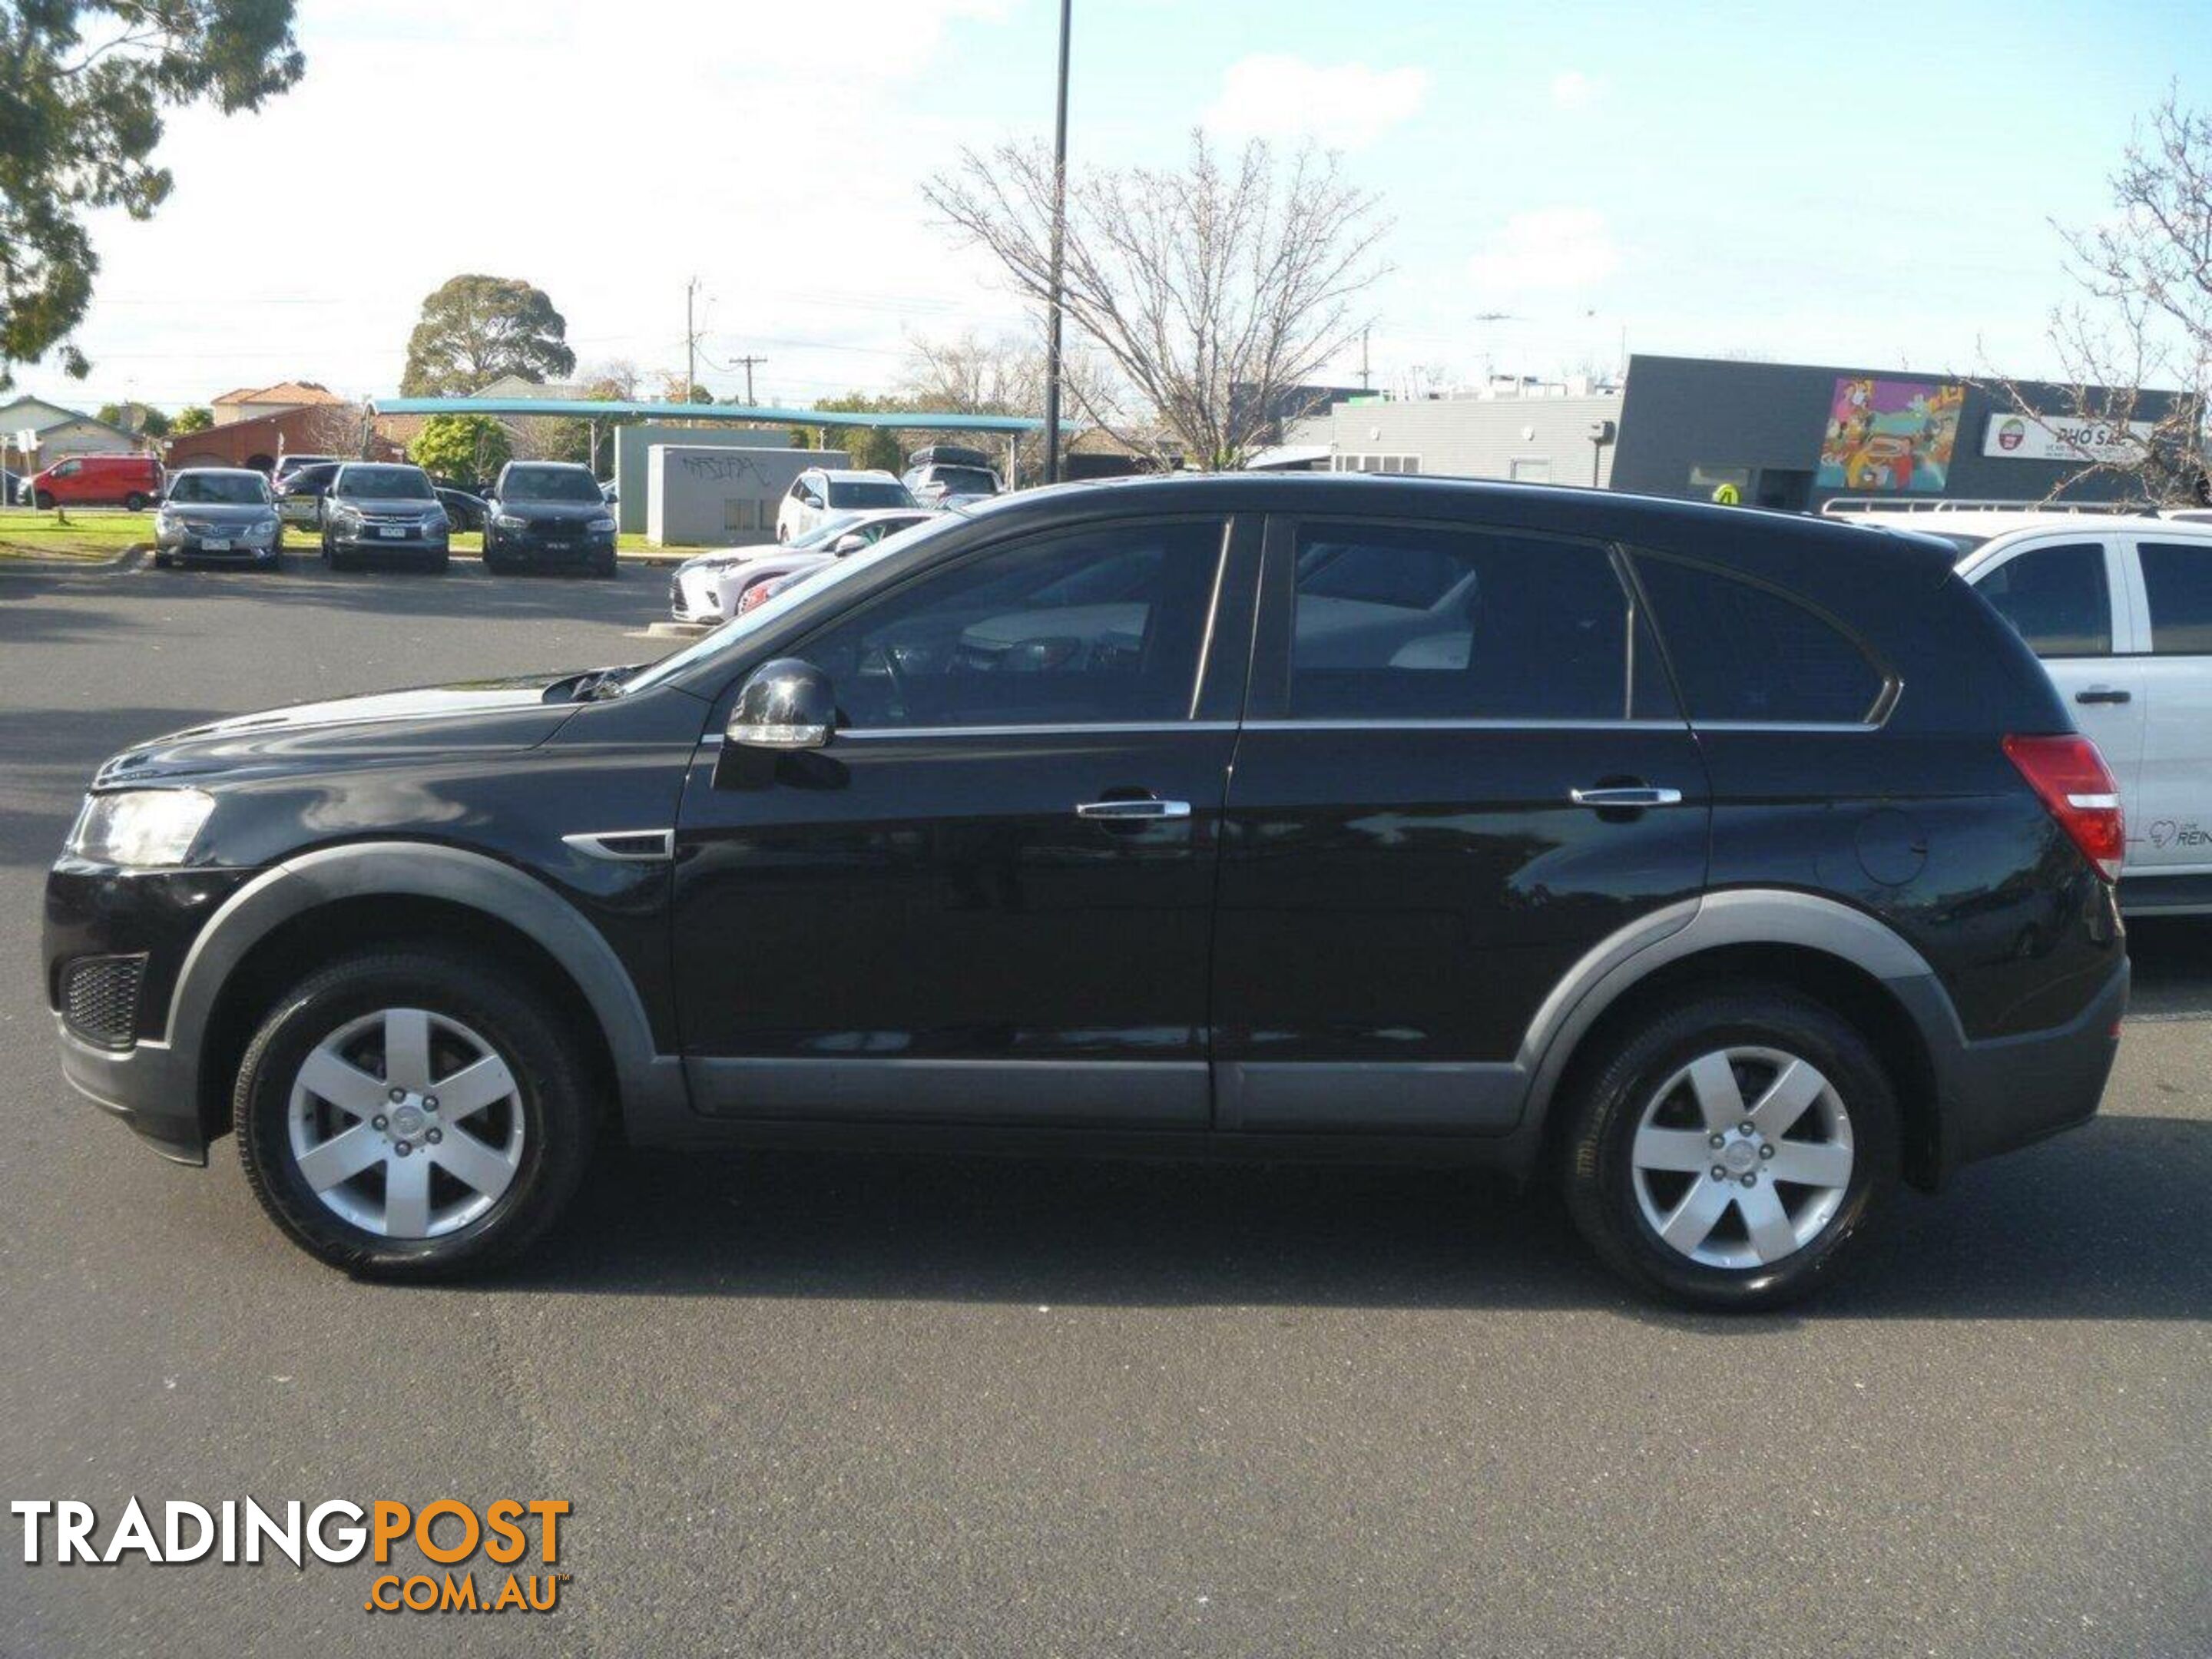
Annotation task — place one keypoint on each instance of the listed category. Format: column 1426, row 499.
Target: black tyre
column 163, row 560
column 1727, row 1150
column 134, row 501
column 43, row 499
column 607, row 568
column 412, row 1114
column 440, row 565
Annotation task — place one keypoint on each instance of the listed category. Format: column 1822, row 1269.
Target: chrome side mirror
column 787, row 704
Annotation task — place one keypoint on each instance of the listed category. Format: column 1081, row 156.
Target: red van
column 131, row 481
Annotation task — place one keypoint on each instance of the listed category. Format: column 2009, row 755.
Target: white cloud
column 1344, row 105
column 1572, row 89
column 1548, row 248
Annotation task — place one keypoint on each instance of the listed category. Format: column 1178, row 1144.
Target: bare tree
column 1003, row 374
column 1211, row 290
column 2137, row 350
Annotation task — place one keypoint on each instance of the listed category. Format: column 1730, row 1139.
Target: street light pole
column 1059, row 239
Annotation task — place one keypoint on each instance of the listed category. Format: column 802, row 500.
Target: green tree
column 475, row 328
column 135, row 418
column 867, row 447
column 195, row 418
column 83, row 84
column 470, row 448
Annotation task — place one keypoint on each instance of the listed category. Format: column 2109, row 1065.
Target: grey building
column 1797, row 435
column 1538, row 434
column 702, row 495
column 631, row 443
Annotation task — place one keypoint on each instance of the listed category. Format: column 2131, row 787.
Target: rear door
column 1460, row 768
column 2170, row 821
column 2068, row 595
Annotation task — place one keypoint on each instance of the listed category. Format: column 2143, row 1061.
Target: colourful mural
column 1889, row 435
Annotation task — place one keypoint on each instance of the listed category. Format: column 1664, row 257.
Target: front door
column 2169, row 824
column 989, row 899
column 1463, row 767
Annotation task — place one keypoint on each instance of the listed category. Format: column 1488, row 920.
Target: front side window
column 2177, row 582
column 1091, row 627
column 2057, row 599
column 1418, row 623
column 1743, row 653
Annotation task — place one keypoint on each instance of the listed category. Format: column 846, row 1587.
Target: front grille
column 100, row 998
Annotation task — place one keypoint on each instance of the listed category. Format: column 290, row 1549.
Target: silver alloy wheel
column 406, row 1123
column 1742, row 1157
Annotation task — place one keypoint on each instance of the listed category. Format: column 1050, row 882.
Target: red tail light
column 2074, row 783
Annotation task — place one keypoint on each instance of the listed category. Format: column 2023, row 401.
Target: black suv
column 548, row 512
column 1724, row 866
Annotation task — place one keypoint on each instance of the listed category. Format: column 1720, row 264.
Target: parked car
column 609, row 493
column 709, row 587
column 381, row 509
column 1723, row 867
column 218, row 514
column 545, row 514
column 288, row 465
column 943, row 470
column 818, row 492
column 464, row 510
column 11, row 485
column 2119, row 609
column 131, row 481
column 300, row 492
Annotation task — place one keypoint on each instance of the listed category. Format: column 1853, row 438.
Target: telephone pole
column 746, row 363
column 1059, row 239
column 1364, row 377
column 690, row 341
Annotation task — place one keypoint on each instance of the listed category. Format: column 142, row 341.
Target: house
column 319, row 429
column 252, row 403
column 56, row 433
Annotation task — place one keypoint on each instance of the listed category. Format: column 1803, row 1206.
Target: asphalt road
column 810, row 1405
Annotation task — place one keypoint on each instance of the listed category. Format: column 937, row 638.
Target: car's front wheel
column 1727, row 1150
column 412, row 1114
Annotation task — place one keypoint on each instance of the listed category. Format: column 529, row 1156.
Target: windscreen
column 384, row 484
column 888, row 493
column 549, row 484
column 218, row 488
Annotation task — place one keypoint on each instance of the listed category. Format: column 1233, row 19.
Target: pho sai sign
column 2064, row 438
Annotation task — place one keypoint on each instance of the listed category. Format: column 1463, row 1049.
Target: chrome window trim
column 880, row 733
column 1787, row 725
column 1453, row 724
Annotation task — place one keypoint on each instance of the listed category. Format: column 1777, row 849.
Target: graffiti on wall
column 1886, row 436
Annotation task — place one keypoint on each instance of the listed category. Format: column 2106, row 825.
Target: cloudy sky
column 1823, row 183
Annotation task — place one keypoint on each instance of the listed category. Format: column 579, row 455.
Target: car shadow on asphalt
column 2107, row 1223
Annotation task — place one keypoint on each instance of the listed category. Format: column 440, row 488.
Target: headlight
column 434, row 523
column 268, row 527
column 604, row 527
column 142, row 829
column 509, row 521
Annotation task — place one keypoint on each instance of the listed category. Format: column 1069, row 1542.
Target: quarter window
column 1095, row 627
column 1413, row 622
column 2178, row 579
column 2057, row 597
column 1745, row 652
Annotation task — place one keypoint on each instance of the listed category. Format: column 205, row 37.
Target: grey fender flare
column 1620, row 963
column 424, row 870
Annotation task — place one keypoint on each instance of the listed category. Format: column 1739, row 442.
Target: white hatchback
column 2119, row 609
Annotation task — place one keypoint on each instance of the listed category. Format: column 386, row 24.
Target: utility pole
column 690, row 341
column 1364, row 377
column 1059, row 242
column 746, row 363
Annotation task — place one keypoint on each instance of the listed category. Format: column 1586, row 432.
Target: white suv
column 820, row 492
column 2120, row 610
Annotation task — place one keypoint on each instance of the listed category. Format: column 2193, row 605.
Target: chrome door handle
column 1637, row 795
column 1134, row 809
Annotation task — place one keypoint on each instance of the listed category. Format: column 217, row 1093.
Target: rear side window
column 1395, row 621
column 1742, row 652
column 2178, row 578
column 2057, row 599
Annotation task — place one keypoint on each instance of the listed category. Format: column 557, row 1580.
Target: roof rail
column 1843, row 507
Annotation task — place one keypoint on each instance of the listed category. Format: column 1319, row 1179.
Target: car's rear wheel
column 134, row 501
column 1727, row 1150
column 43, row 499
column 412, row 1114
